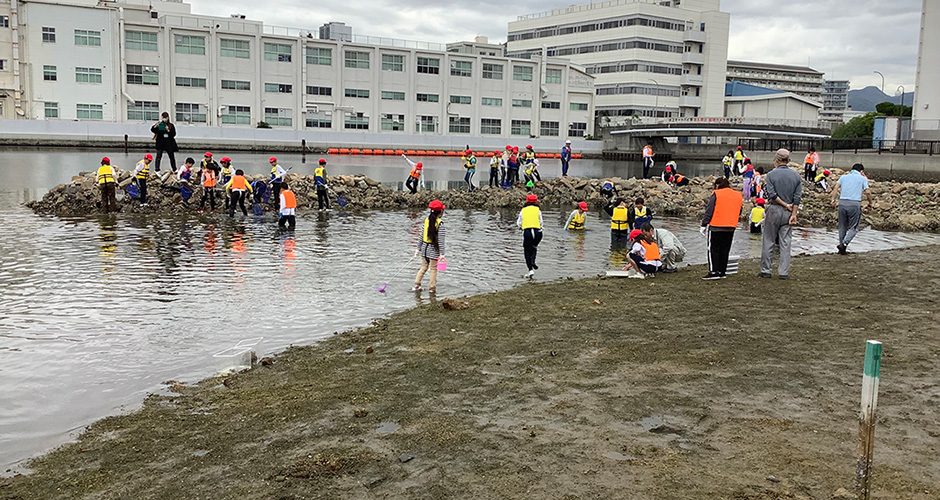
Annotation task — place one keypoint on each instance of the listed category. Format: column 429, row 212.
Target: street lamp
column 901, row 114
column 656, row 107
column 901, row 90
column 882, row 81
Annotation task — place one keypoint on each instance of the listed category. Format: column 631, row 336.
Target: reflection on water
column 98, row 311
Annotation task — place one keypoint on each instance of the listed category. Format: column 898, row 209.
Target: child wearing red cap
column 576, row 219
column 644, row 256
column 319, row 178
column 469, row 163
column 757, row 216
column 431, row 246
column 494, row 168
column 530, row 220
column 141, row 172
column 415, row 177
column 512, row 167
column 277, row 177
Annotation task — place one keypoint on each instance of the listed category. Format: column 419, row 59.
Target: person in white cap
column 565, row 158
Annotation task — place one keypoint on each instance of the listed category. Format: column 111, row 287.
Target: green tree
column 890, row 109
column 857, row 128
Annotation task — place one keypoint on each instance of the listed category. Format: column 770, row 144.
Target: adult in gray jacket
column 671, row 250
column 783, row 191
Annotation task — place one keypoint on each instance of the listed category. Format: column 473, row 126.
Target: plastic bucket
column 441, row 265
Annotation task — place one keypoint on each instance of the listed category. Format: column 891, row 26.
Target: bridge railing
column 797, row 146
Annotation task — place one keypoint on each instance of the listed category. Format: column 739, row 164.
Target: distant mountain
column 867, row 98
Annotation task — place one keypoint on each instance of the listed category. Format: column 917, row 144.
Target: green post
column 866, row 420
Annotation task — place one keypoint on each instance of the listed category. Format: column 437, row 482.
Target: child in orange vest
column 288, row 205
column 644, row 256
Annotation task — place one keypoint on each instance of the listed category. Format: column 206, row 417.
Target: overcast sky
column 846, row 39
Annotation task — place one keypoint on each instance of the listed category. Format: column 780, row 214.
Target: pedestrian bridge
column 750, row 128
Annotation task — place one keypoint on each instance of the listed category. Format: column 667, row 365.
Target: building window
column 461, row 68
column 49, row 73
column 88, row 38
column 429, row 65
column 185, row 81
column 319, row 56
column 428, row 98
column 239, row 49
column 319, row 120
column 460, row 99
column 279, row 52
column 188, row 44
column 278, row 88
column 459, row 125
column 140, row 40
column 48, row 36
column 279, row 117
column 88, row 75
column 393, row 96
column 52, row 109
column 143, row 111
column 356, row 121
column 521, row 127
column 395, row 123
column 235, row 85
column 578, row 106
column 314, row 90
column 552, row 76
column 493, row 71
column 358, row 93
column 491, row 126
column 142, row 75
column 522, row 73
column 190, row 112
column 577, row 129
column 357, row 60
column 522, row 103
column 551, row 105
column 89, row 111
column 425, row 123
column 393, row 62
column 3, row 64
column 4, row 21
column 236, row 115
column 550, row 129
column 492, row 101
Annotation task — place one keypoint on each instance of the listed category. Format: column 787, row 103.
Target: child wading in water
column 530, row 220
column 431, row 246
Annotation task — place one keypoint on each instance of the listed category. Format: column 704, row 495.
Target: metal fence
column 909, row 147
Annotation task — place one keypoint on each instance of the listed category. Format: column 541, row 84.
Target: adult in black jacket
column 164, row 134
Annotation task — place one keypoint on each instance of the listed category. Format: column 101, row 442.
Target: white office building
column 801, row 80
column 127, row 61
column 662, row 58
column 926, row 119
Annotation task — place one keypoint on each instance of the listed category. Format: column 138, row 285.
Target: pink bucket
column 441, row 265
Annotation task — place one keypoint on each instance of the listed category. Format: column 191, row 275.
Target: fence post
column 125, row 143
column 866, row 418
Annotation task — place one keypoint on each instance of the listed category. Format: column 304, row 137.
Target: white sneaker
column 416, row 288
column 638, row 276
column 530, row 274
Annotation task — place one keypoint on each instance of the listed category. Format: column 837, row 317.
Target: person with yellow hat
column 530, row 220
column 431, row 246
column 106, row 178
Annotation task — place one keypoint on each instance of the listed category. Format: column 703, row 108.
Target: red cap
column 419, row 165
column 436, row 205
column 826, row 173
column 760, row 201
column 582, row 205
column 515, row 149
column 208, row 154
column 528, row 147
column 321, row 161
column 272, row 159
column 468, row 151
column 498, row 152
column 668, row 168
column 106, row 160
column 739, row 147
column 148, row 156
column 532, row 198
column 226, row 159
column 635, row 233
column 508, row 147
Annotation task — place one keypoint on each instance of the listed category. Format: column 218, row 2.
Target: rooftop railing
column 590, row 6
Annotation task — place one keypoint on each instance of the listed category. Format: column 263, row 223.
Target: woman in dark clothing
column 164, row 135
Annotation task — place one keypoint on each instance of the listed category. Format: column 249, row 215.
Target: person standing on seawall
column 277, row 177
column 431, row 246
column 847, row 195
column 718, row 225
column 494, row 168
column 106, row 178
column 415, row 176
column 739, row 157
column 141, row 172
column 783, row 190
column 810, row 164
column 319, row 177
column 648, row 155
column 164, row 136
column 565, row 157
column 470, row 164
column 530, row 220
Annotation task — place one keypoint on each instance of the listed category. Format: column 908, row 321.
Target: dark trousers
column 564, row 168
column 287, row 220
column 237, row 199
column 530, row 245
column 323, row 198
column 619, row 238
column 513, row 175
column 207, row 192
column 727, row 169
column 494, row 177
column 468, row 178
column 719, row 247
column 142, row 185
column 647, row 164
column 276, row 193
column 809, row 171
column 412, row 184
column 108, row 198
column 646, row 268
column 159, row 156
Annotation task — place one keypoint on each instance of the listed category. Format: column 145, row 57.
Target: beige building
column 800, row 80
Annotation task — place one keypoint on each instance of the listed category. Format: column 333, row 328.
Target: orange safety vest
column 647, row 151
column 728, row 203
column 238, row 182
column 416, row 172
column 679, row 178
column 208, row 178
column 652, row 250
column 290, row 201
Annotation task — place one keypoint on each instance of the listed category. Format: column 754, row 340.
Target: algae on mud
column 662, row 388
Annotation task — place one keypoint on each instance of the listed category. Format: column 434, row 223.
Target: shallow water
column 97, row 312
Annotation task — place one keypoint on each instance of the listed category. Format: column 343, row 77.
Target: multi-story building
column 662, row 58
column 800, row 80
column 130, row 60
column 926, row 119
column 9, row 68
column 835, row 100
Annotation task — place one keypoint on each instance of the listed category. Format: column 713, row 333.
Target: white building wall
column 926, row 120
column 773, row 106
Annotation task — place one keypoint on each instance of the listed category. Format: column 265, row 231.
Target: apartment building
column 800, row 80
column 127, row 61
column 835, row 100
column 662, row 58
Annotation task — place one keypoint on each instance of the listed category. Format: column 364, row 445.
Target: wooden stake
column 866, row 418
